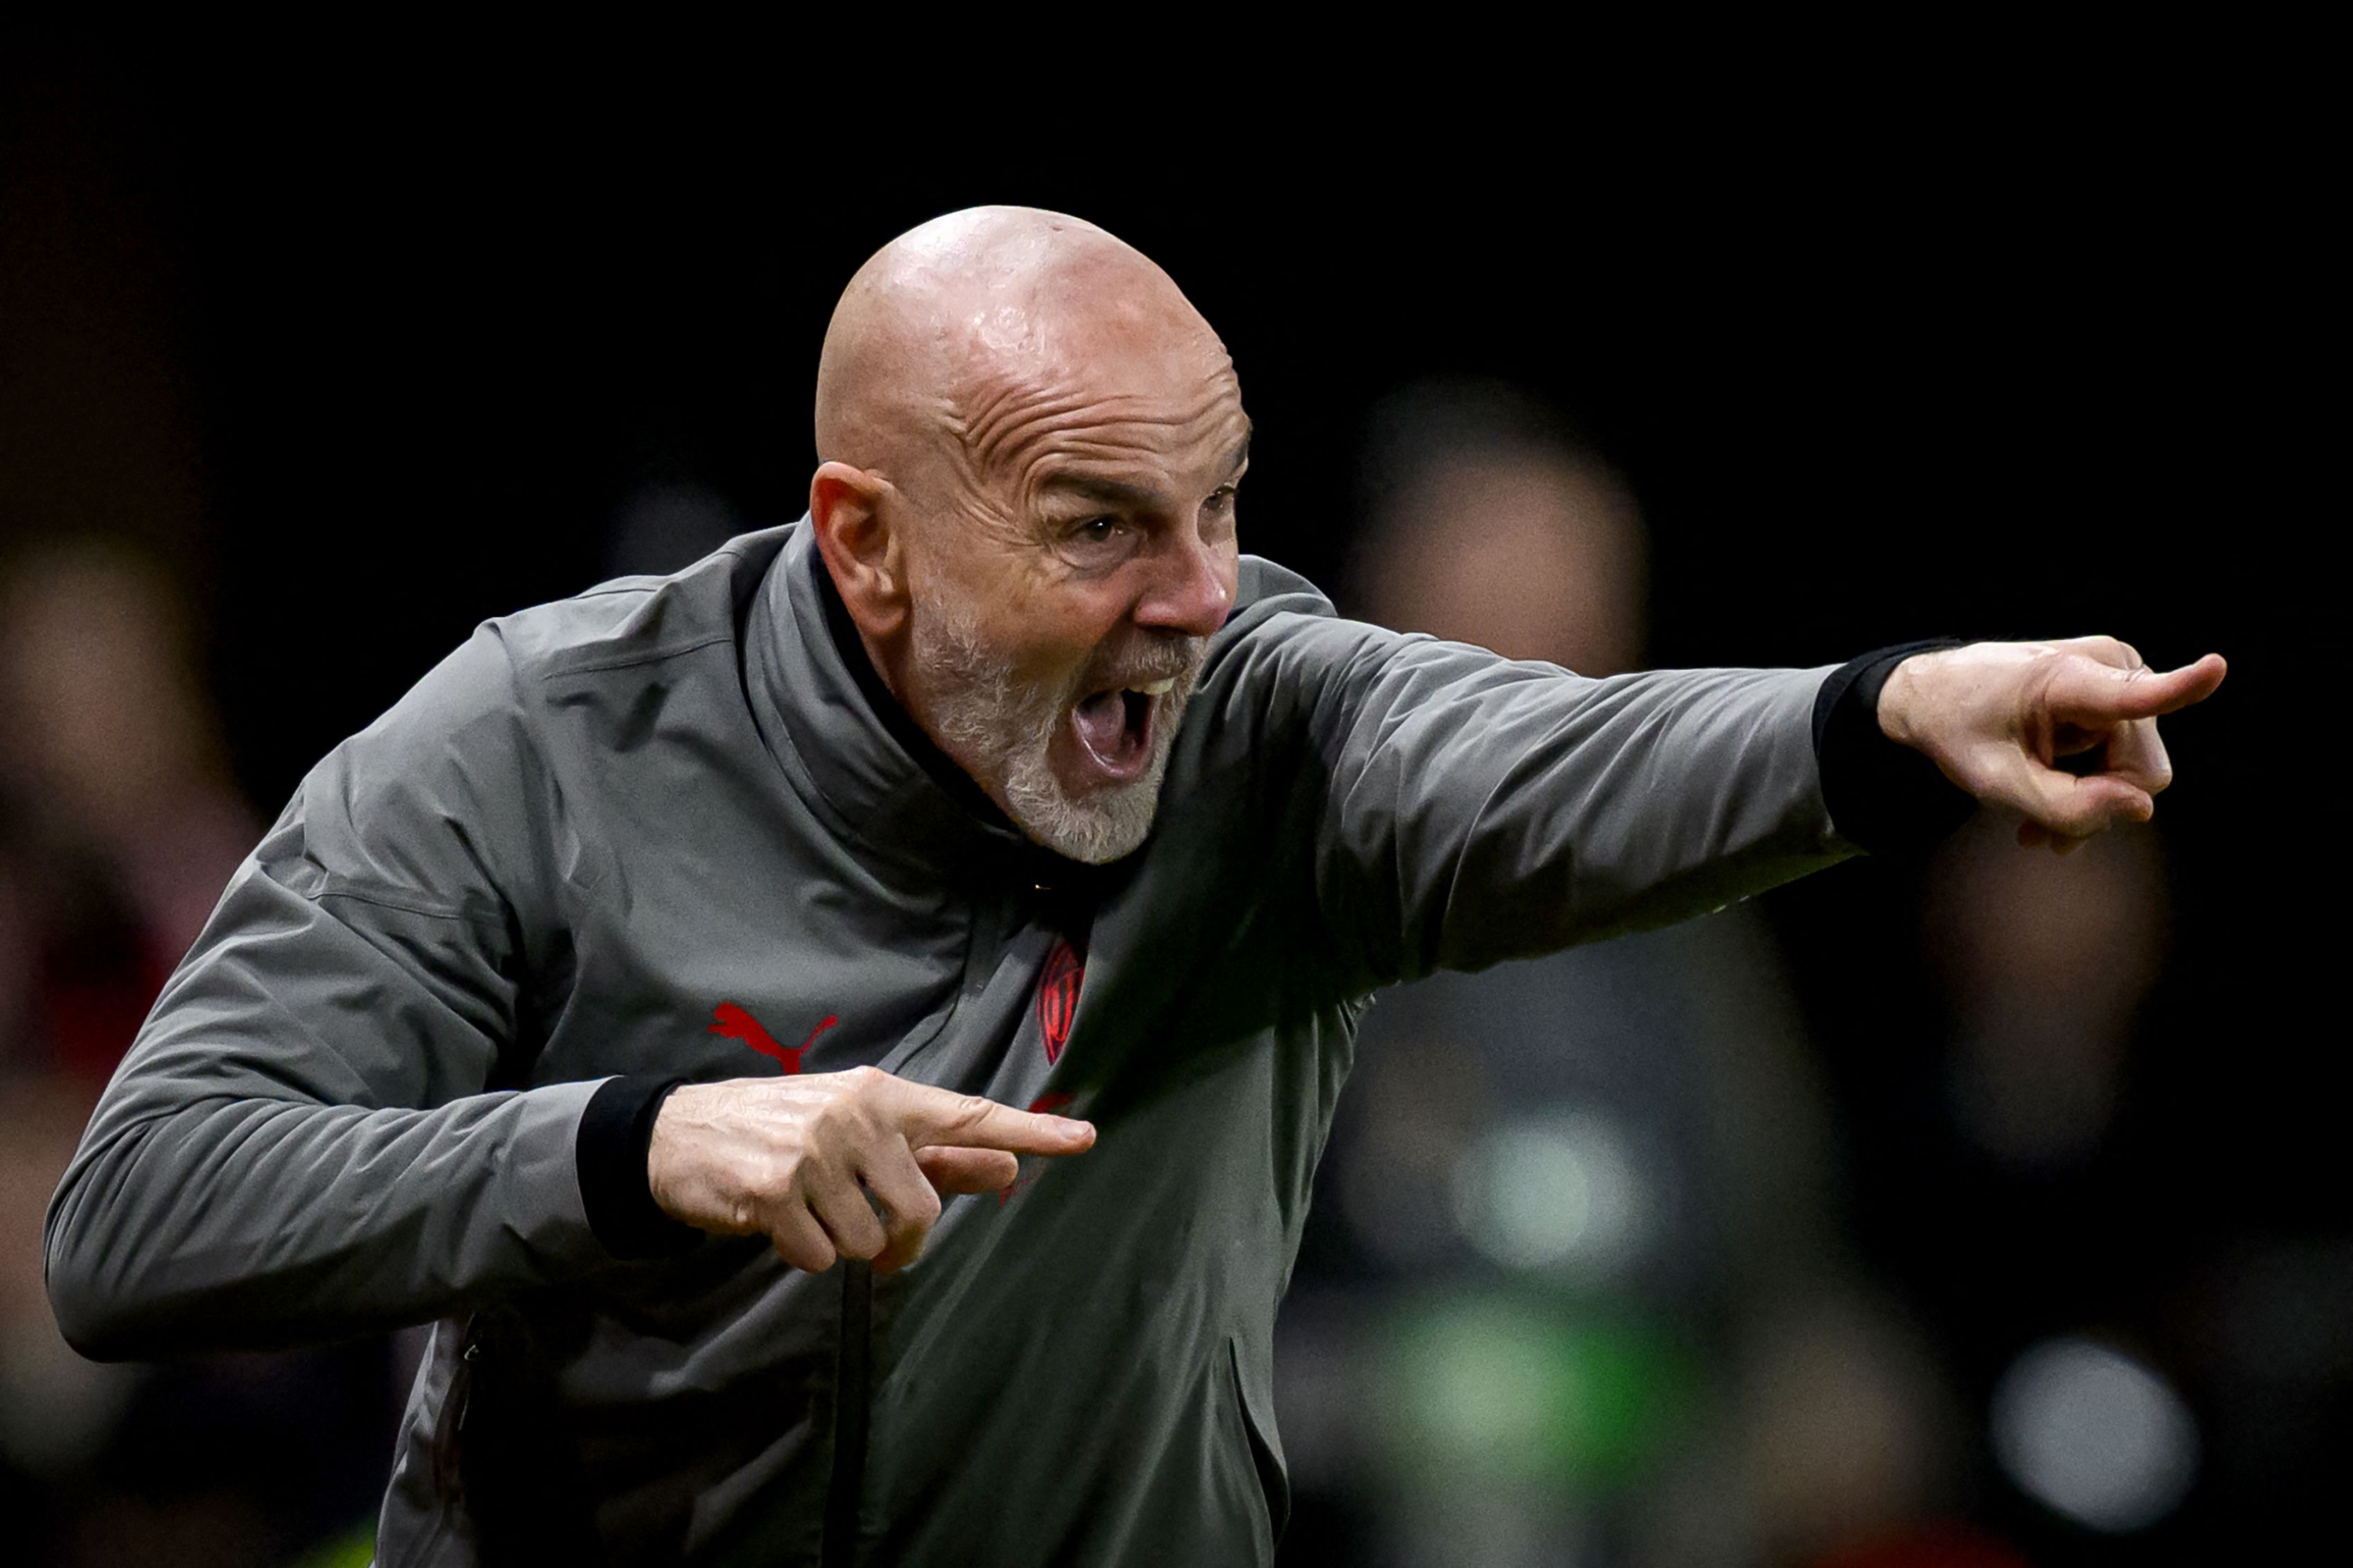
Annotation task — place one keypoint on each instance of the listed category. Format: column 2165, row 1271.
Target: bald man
column 839, row 1038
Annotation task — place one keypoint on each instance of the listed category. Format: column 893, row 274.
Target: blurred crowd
column 1583, row 1284
column 119, row 828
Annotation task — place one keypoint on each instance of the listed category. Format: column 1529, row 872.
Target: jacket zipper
column 853, row 1377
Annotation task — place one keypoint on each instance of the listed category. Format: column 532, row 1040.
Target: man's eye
column 1097, row 543
column 1220, row 500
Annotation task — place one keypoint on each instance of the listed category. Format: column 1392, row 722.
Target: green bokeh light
column 1496, row 1389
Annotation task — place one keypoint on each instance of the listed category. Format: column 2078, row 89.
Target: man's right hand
column 794, row 1158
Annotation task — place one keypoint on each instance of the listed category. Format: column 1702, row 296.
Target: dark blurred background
column 1980, row 1210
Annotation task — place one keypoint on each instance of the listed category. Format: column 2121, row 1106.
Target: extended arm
column 1449, row 809
column 1468, row 809
column 1482, row 814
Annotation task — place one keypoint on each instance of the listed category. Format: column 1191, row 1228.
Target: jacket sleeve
column 304, row 1140
column 1460, row 809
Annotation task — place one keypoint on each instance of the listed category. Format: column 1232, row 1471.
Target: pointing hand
column 796, row 1160
column 1998, row 717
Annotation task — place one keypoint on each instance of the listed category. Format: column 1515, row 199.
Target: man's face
column 1069, row 557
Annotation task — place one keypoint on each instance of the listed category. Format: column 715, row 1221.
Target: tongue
column 1103, row 726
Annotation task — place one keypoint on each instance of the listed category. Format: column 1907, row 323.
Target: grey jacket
column 661, row 828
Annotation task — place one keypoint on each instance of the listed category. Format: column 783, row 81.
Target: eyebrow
column 1102, row 491
column 1107, row 491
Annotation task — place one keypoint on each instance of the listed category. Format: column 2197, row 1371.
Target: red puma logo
column 738, row 1024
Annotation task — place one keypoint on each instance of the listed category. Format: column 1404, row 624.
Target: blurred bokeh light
column 2095, row 1434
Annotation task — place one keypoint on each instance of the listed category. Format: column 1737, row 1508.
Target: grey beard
column 999, row 732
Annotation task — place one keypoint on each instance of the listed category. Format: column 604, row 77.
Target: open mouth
column 1114, row 728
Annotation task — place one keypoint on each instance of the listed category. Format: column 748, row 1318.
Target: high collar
column 836, row 730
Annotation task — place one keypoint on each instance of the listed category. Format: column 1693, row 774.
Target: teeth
column 1157, row 688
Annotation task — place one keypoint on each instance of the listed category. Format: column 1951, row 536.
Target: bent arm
column 302, row 1141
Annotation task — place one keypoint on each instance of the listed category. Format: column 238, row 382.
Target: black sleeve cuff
column 610, row 1154
column 1881, row 794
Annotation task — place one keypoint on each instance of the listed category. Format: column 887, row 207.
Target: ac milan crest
column 1057, row 997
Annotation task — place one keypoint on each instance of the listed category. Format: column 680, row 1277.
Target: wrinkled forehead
column 1090, row 351
column 1104, row 378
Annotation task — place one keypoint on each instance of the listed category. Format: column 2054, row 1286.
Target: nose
column 1191, row 587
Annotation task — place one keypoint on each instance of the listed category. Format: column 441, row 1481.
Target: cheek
column 1053, row 633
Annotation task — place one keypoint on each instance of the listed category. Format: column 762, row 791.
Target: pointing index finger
column 2087, row 692
column 935, row 1117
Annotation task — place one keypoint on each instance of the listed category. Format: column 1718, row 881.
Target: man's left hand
column 1998, row 717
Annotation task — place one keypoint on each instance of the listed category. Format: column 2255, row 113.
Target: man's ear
column 861, row 548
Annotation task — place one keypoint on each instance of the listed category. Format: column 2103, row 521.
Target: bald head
column 951, row 329
column 1030, row 442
